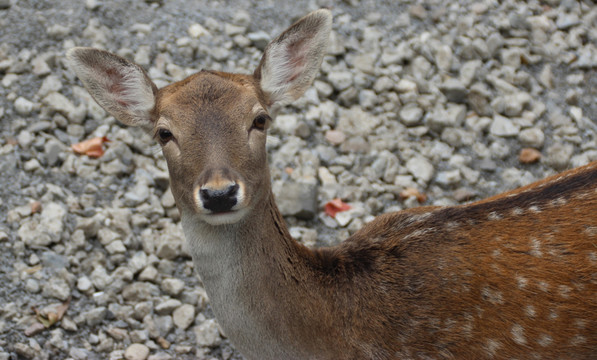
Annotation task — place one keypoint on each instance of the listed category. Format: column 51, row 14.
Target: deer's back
column 513, row 276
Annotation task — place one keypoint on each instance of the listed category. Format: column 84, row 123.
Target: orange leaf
column 92, row 147
column 335, row 206
column 408, row 192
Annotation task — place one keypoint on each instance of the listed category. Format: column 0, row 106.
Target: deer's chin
column 224, row 218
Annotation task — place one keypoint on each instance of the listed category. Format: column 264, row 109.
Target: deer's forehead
column 210, row 92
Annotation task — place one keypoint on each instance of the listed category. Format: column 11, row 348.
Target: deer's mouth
column 224, row 217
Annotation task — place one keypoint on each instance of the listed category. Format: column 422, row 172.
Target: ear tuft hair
column 121, row 87
column 291, row 61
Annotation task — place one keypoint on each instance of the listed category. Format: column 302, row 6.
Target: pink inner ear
column 297, row 57
column 116, row 88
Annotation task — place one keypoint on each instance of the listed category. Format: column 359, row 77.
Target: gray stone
column 260, row 39
column 503, row 127
column 94, row 316
column 183, row 316
column 452, row 116
column 454, row 90
column 140, row 291
column 340, row 80
column 420, row 168
column 46, row 229
column 296, row 199
column 23, row 106
column 532, row 137
column 448, row 177
column 558, row 155
column 100, row 278
column 567, row 20
column 136, row 352
column 84, row 284
column 57, row 288
column 172, row 286
column 355, row 121
column 443, row 58
column 167, row 307
column 207, row 333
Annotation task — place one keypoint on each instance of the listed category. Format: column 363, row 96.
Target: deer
column 513, row 276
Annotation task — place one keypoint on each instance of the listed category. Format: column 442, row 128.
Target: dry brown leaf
column 529, row 156
column 335, row 206
column 93, row 147
column 408, row 192
column 51, row 317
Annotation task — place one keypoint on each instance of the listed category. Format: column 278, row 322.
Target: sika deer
column 513, row 276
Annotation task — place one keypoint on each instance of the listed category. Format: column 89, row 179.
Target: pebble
column 172, row 287
column 533, row 137
column 503, row 127
column 23, row 106
column 411, row 115
column 420, row 168
column 207, row 333
column 136, row 352
column 183, row 316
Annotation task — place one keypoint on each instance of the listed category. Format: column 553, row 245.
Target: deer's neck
column 259, row 281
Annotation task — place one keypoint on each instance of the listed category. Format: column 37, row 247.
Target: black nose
column 219, row 201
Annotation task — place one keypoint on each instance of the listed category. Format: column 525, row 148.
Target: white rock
column 23, row 106
column 197, row 30
column 172, row 286
column 84, row 284
column 207, row 334
column 136, row 352
column 184, row 316
column 420, row 168
column 503, row 127
column 532, row 137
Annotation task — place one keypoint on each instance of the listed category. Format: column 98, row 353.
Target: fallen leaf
column 335, row 206
column 92, row 147
column 50, row 317
column 35, row 207
column 408, row 192
column 33, row 269
column 529, row 156
column 165, row 344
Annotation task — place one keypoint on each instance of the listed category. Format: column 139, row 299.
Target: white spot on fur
column 543, row 286
column 553, row 315
column 494, row 216
column 496, row 253
column 493, row 296
column 564, row 291
column 578, row 340
column 580, row 323
column 536, row 248
column 517, row 211
column 544, row 340
column 591, row 231
column 517, row 332
column 491, row 347
column 530, row 311
column 561, row 201
column 522, row 282
column 535, row 209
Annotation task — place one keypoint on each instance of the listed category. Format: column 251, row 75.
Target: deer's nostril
column 219, row 201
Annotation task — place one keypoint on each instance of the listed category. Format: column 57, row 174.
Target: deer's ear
column 291, row 61
column 121, row 87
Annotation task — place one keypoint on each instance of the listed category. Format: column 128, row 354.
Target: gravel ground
column 418, row 102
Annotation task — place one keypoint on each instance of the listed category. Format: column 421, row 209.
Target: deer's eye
column 260, row 122
column 164, row 135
